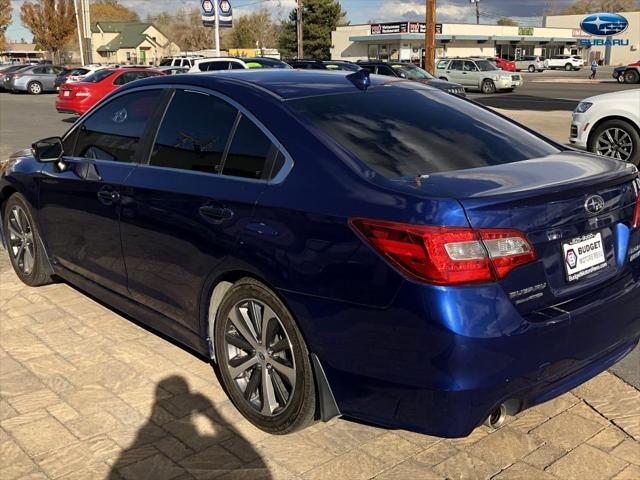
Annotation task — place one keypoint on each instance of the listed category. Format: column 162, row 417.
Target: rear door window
column 114, row 131
column 410, row 130
column 456, row 65
column 194, row 133
column 250, row 154
column 214, row 66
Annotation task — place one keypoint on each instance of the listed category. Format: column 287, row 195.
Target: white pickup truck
column 566, row 62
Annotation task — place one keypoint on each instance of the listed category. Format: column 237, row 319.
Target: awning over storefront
column 418, row 37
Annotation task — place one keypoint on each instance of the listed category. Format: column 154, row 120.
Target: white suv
column 180, row 61
column 567, row 62
column 217, row 63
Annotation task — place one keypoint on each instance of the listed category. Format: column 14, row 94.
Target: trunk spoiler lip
column 511, row 181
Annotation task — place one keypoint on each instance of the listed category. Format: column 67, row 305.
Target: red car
column 504, row 64
column 79, row 97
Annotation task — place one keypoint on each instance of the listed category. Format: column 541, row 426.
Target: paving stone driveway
column 87, row 394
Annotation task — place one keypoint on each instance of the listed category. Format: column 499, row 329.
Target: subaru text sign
column 604, row 24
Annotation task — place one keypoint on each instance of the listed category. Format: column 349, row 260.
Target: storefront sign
column 604, row 42
column 525, row 31
column 402, row 27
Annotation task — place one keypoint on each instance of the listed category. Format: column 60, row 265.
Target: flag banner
column 209, row 13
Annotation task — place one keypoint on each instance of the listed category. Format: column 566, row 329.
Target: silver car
column 531, row 63
column 477, row 74
column 35, row 80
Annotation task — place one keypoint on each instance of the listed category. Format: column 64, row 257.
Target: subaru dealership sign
column 209, row 13
column 604, row 25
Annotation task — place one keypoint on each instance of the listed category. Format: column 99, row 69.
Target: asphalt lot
column 544, row 103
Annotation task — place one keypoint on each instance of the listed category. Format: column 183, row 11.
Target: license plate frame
column 583, row 256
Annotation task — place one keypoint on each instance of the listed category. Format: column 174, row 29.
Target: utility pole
column 477, row 2
column 430, row 36
column 216, row 6
column 80, row 40
column 87, row 28
column 300, row 30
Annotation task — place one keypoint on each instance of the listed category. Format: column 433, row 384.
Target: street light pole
column 300, row 30
column 430, row 36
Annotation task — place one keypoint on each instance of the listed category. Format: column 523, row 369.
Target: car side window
column 456, row 65
column 251, row 152
column 194, row 133
column 121, row 79
column 468, row 66
column 38, row 71
column 236, row 66
column 214, row 66
column 114, row 131
column 442, row 63
column 384, row 70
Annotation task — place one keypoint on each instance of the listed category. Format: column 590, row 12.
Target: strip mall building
column 404, row 41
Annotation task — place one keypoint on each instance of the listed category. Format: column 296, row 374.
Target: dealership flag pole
column 430, row 36
column 216, row 5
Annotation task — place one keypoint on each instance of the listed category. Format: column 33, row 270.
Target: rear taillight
column 447, row 255
column 636, row 216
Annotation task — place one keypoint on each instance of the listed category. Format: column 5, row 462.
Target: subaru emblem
column 594, row 204
column 604, row 24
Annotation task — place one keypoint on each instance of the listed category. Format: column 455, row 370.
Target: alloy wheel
column 35, row 88
column 21, row 240
column 615, row 143
column 260, row 357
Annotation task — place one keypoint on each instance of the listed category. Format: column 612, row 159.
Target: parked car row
column 34, row 79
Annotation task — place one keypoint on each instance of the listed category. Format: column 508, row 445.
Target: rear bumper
column 441, row 365
column 70, row 107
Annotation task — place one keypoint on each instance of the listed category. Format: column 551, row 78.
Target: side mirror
column 48, row 149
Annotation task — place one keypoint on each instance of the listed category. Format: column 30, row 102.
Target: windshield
column 406, row 131
column 98, row 76
column 486, row 65
column 412, row 72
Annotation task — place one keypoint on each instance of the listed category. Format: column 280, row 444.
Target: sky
column 358, row 11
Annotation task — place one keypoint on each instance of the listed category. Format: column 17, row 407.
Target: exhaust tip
column 496, row 419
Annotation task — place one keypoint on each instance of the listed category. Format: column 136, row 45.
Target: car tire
column 488, row 87
column 444, row 78
column 282, row 398
column 568, row 67
column 619, row 130
column 620, row 79
column 631, row 76
column 24, row 245
column 34, row 88
column 531, row 69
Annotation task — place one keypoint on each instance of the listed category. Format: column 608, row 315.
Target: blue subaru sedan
column 338, row 244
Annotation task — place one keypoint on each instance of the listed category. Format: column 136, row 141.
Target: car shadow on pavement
column 198, row 443
column 70, row 119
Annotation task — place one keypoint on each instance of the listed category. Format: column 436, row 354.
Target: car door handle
column 216, row 214
column 108, row 196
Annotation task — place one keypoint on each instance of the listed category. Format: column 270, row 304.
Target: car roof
column 284, row 84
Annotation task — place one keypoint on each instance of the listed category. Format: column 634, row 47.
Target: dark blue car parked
column 339, row 245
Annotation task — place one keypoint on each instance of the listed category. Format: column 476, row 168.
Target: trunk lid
column 547, row 199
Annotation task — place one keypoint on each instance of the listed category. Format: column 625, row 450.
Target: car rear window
column 413, row 130
column 98, row 76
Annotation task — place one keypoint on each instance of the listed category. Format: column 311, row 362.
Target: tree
column 320, row 18
column 112, row 11
column 592, row 6
column 52, row 22
column 5, row 20
column 255, row 30
column 185, row 28
column 507, row 22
